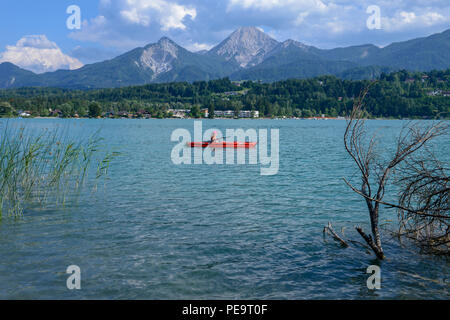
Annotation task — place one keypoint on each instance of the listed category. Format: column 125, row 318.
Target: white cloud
column 408, row 17
column 127, row 24
column 174, row 18
column 38, row 54
column 133, row 16
column 402, row 20
column 194, row 47
column 170, row 15
column 271, row 4
column 301, row 18
column 259, row 4
column 336, row 26
column 131, row 23
column 315, row 14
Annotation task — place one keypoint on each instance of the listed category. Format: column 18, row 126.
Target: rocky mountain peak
column 294, row 43
column 159, row 57
column 166, row 40
column 247, row 46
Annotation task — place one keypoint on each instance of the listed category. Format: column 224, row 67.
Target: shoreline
column 219, row 118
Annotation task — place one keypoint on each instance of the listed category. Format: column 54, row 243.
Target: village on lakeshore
column 400, row 95
column 174, row 114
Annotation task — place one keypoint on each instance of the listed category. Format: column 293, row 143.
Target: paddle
column 218, row 140
column 225, row 138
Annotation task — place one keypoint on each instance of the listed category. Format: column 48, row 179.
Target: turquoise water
column 155, row 230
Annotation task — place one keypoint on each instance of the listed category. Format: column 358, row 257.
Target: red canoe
column 222, row 144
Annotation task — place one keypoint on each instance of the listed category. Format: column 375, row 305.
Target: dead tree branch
column 329, row 229
column 371, row 244
column 375, row 173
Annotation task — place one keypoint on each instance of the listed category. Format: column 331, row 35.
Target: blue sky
column 111, row 27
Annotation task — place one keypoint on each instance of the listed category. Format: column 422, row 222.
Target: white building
column 24, row 114
column 248, row 114
column 179, row 113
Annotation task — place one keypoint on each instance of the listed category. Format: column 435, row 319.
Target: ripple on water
column 160, row 231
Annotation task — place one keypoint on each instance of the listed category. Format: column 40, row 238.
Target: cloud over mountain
column 38, row 54
column 130, row 23
column 170, row 15
column 198, row 24
column 406, row 19
column 246, row 54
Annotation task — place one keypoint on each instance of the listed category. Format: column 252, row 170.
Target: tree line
column 400, row 94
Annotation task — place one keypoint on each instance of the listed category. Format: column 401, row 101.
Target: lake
column 156, row 230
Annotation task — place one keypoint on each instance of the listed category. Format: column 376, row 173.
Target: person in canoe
column 213, row 137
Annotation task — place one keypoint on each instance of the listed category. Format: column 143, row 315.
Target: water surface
column 155, row 230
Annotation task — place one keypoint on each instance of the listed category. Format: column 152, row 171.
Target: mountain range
column 247, row 54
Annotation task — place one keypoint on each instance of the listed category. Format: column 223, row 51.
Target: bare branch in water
column 329, row 229
column 423, row 204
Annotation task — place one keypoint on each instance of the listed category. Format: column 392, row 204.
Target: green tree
column 160, row 115
column 195, row 111
column 82, row 112
column 307, row 113
column 333, row 112
column 211, row 110
column 67, row 110
column 6, row 110
column 237, row 107
column 95, row 110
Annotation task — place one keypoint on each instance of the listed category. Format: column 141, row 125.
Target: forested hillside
column 399, row 95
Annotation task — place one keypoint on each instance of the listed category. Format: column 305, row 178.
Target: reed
column 46, row 168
